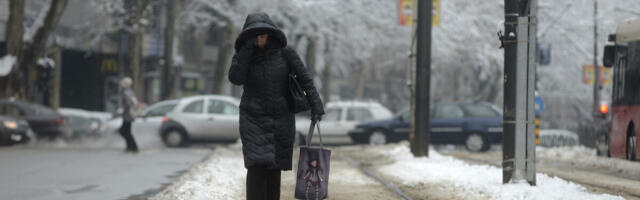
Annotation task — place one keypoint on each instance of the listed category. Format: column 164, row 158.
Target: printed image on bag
column 312, row 179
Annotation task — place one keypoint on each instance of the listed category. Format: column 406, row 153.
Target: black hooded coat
column 267, row 123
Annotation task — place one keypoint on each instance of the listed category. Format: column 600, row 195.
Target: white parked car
column 341, row 117
column 210, row 117
column 150, row 119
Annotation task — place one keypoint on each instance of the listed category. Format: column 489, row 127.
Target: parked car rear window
column 194, row 107
column 359, row 114
column 480, row 111
column 333, row 115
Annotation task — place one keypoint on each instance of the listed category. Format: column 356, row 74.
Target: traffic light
column 604, row 108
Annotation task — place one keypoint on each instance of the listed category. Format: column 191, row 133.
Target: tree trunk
column 134, row 69
column 326, row 83
column 135, row 54
column 54, row 100
column 36, row 47
column 362, row 81
column 310, row 57
column 225, row 53
column 167, row 81
column 10, row 84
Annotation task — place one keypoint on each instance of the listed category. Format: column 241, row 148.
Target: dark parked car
column 44, row 121
column 83, row 123
column 475, row 125
column 14, row 131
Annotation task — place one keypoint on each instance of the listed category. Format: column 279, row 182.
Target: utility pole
column 518, row 124
column 420, row 138
column 166, row 81
column 596, row 67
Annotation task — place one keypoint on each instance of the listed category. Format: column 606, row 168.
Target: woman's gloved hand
column 249, row 42
column 316, row 117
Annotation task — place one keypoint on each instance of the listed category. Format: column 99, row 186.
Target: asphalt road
column 66, row 173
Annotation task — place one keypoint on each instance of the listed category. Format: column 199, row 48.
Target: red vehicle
column 624, row 57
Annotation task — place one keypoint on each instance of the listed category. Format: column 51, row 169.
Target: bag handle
column 314, row 124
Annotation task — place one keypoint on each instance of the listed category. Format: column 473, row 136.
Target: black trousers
column 125, row 131
column 263, row 183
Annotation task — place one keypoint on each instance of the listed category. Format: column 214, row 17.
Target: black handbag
column 299, row 102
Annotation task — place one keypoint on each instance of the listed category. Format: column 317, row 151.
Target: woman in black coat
column 261, row 64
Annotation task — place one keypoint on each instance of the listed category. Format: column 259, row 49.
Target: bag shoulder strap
column 314, row 124
column 285, row 56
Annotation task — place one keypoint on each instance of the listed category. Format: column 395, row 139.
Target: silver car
column 340, row 118
column 210, row 117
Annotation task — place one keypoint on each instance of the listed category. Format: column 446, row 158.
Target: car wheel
column 602, row 145
column 174, row 138
column 377, row 138
column 631, row 148
column 476, row 142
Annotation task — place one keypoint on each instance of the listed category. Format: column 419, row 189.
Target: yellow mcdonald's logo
column 109, row 65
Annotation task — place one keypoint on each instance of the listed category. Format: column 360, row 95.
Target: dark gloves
column 316, row 117
column 249, row 42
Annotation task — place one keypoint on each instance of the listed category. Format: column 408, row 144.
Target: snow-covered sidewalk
column 220, row 176
column 586, row 157
column 475, row 181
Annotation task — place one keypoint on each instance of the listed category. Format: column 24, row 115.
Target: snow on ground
column 477, row 181
column 220, row 176
column 583, row 156
column 105, row 116
column 6, row 63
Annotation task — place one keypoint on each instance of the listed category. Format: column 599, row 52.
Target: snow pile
column 348, row 176
column 104, row 116
column 6, row 63
column 220, row 176
column 47, row 62
column 586, row 157
column 477, row 181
